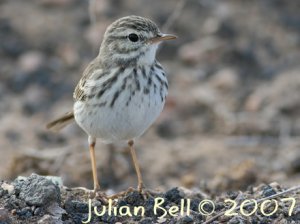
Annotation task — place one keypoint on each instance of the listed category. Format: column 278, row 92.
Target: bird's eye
column 133, row 37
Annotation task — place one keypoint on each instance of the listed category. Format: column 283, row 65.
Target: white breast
column 134, row 110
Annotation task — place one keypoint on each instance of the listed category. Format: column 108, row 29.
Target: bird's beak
column 161, row 37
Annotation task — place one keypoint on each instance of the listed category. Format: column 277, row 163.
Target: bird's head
column 131, row 40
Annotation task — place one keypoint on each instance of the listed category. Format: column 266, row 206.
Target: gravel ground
column 231, row 122
column 38, row 199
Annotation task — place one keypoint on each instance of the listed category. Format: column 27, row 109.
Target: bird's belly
column 126, row 119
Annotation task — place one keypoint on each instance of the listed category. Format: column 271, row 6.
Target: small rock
column 174, row 195
column 108, row 218
column 13, row 211
column 134, row 199
column 146, row 221
column 275, row 186
column 37, row 211
column 4, row 215
column 37, row 190
column 195, row 204
column 56, row 180
column 73, row 206
column 161, row 220
column 185, row 220
column 268, row 191
column 238, row 220
column 7, row 187
column 149, row 211
column 55, row 210
column 24, row 212
column 48, row 219
column 232, row 195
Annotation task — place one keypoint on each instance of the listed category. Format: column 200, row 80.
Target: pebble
column 37, row 190
column 174, row 195
column 186, row 220
column 7, row 187
column 146, row 221
column 4, row 215
column 49, row 219
column 24, row 212
column 268, row 191
column 134, row 198
column 37, row 211
column 72, row 206
column 149, row 204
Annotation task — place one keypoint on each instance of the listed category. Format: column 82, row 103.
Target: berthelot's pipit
column 123, row 90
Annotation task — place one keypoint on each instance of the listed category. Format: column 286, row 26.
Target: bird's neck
column 147, row 57
column 140, row 58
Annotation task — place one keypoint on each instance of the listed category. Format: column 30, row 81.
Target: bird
column 122, row 91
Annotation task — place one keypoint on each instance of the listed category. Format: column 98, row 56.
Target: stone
column 48, row 219
column 7, row 187
column 174, row 195
column 37, row 190
column 4, row 215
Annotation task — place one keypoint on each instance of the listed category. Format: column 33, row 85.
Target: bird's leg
column 138, row 173
column 95, row 192
column 92, row 143
column 136, row 166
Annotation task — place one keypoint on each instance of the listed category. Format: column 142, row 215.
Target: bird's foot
column 140, row 189
column 93, row 194
column 101, row 196
column 146, row 193
column 121, row 194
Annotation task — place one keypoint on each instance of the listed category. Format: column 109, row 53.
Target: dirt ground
column 37, row 199
column 231, row 120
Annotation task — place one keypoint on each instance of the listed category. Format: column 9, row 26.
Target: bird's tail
column 61, row 122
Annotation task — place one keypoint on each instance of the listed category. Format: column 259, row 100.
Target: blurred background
column 232, row 115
